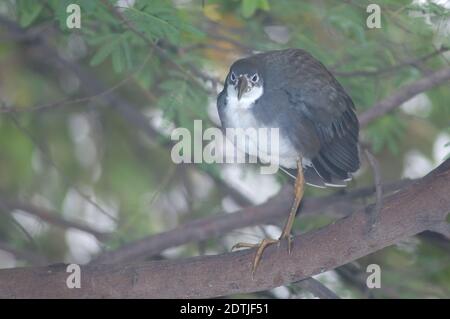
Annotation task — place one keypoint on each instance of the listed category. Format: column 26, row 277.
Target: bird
column 294, row 92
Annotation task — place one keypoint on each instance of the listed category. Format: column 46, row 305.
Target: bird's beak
column 242, row 86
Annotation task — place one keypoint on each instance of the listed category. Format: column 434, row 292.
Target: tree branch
column 393, row 68
column 317, row 288
column 51, row 217
column 404, row 94
column 215, row 226
column 418, row 207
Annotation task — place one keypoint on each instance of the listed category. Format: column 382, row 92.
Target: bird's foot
column 261, row 246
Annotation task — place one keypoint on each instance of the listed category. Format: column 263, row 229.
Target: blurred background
column 86, row 116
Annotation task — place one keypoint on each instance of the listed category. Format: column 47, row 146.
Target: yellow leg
column 299, row 190
column 286, row 234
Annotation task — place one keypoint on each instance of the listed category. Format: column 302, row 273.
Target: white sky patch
column 75, row 207
column 33, row 225
column 440, row 151
column 229, row 205
column 278, row 33
column 79, row 127
column 258, row 187
column 281, row 292
column 124, row 4
column 85, row 147
column 82, row 246
column 273, row 231
column 7, row 260
column 333, row 282
column 243, row 235
column 173, row 252
column 158, row 121
column 420, row 106
column 203, row 185
column 440, row 26
column 416, row 165
column 444, row 3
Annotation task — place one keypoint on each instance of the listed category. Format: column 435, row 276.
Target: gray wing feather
column 321, row 123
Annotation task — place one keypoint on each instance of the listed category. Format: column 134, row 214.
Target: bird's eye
column 232, row 77
column 255, row 78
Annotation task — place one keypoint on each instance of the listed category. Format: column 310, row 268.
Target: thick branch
column 416, row 208
column 214, row 226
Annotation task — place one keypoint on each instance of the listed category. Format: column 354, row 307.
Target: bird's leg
column 286, row 233
column 299, row 188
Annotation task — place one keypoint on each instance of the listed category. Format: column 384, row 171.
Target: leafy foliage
column 165, row 57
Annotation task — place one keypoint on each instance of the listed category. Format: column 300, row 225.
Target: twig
column 92, row 86
column 49, row 158
column 394, row 68
column 158, row 50
column 64, row 102
column 403, row 94
column 51, row 217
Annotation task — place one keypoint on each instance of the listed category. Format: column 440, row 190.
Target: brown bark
column 420, row 206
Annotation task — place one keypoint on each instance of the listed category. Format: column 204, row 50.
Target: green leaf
column 127, row 54
column 118, row 60
column 386, row 132
column 157, row 22
column 248, row 7
column 264, row 5
column 29, row 11
column 104, row 51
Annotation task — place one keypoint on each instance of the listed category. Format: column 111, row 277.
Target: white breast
column 239, row 115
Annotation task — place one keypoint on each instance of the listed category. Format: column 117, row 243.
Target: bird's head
column 246, row 80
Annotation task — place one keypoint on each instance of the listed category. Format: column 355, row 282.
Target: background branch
column 403, row 94
column 317, row 288
column 50, row 217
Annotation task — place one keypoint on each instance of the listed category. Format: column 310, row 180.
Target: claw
column 289, row 242
column 288, row 238
column 261, row 247
column 243, row 245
